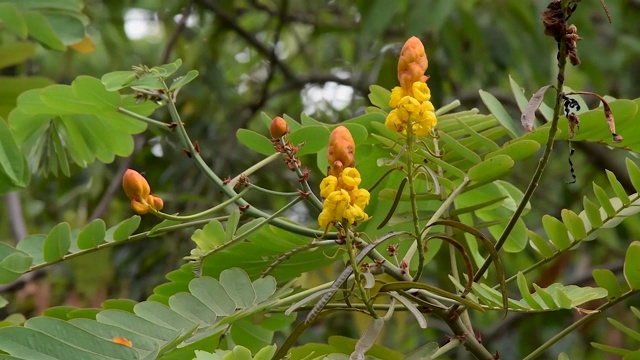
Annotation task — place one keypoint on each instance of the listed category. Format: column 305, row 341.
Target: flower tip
column 135, row 185
column 412, row 63
column 341, row 149
column 279, row 127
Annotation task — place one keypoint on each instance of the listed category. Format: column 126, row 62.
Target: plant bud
column 155, row 202
column 139, row 208
column 341, row 150
column 412, row 63
column 135, row 185
column 279, row 127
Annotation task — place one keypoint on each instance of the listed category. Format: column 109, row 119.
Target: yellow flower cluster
column 342, row 198
column 414, row 105
column 411, row 100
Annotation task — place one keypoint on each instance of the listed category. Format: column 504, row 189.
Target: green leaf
column 76, row 337
column 517, row 149
column 610, row 349
column 163, row 315
column 606, row 279
column 183, row 80
column 379, row 97
column 191, row 308
column 14, row 171
column 618, row 189
column 41, row 30
column 629, row 332
column 574, row 224
column 541, row 245
column 130, row 322
column 13, row 20
column 314, row 138
column 31, row 344
column 57, row 243
column 634, row 173
column 210, row 236
column 556, row 231
column 547, row 299
column 460, row 149
column 255, row 141
column 593, row 213
column 34, row 246
column 91, row 235
column 211, row 293
column 632, row 265
column 114, row 80
column 524, row 291
column 496, row 108
column 237, row 284
column 602, row 197
column 490, row 169
column 125, row 228
column 16, row 53
column 13, row 264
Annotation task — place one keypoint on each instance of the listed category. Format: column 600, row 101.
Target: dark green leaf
column 496, row 108
column 41, row 30
column 91, row 235
column 124, row 229
column 556, row 231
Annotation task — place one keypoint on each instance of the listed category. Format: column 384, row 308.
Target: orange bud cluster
column 341, row 151
column 412, row 63
column 279, row 127
column 138, row 191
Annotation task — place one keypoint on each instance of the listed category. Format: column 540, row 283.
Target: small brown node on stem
column 303, row 194
column 305, row 175
column 497, row 355
column 226, row 180
column 244, row 208
column 172, row 125
column 196, row 147
column 393, row 249
column 187, row 152
column 404, row 266
column 243, row 180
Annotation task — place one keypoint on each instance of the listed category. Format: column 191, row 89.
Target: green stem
column 131, row 238
column 272, row 192
column 356, row 270
column 317, row 203
column 144, row 118
column 257, row 166
column 553, row 129
column 445, row 109
column 250, row 210
column 583, row 320
column 212, row 210
column 257, row 227
column 452, row 344
column 414, row 204
column 437, row 216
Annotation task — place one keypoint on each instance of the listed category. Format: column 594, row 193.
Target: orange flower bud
column 139, row 208
column 412, row 63
column 279, row 127
column 135, row 185
column 155, row 202
column 341, row 150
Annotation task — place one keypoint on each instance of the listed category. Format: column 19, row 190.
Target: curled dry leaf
column 529, row 113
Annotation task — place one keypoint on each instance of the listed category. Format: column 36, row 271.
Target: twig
column 166, row 52
column 533, row 184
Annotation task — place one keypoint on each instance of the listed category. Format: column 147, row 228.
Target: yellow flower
column 360, row 197
column 394, row 122
column 325, row 218
column 410, row 104
column 328, row 185
column 424, row 123
column 354, row 214
column 350, row 179
column 421, row 91
column 396, row 94
column 336, row 203
column 427, row 106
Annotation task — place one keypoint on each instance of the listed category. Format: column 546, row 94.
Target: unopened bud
column 341, row 150
column 412, row 63
column 155, row 202
column 279, row 127
column 135, row 185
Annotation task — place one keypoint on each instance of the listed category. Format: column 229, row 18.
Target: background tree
column 287, row 57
